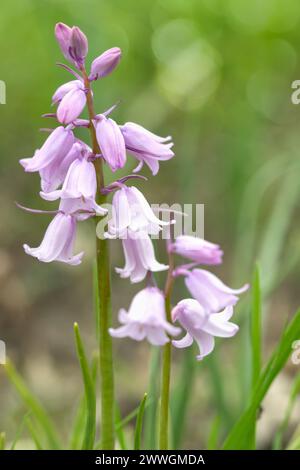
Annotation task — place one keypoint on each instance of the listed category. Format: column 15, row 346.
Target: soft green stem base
column 165, row 388
column 105, row 345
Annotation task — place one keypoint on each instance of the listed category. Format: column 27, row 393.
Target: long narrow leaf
column 139, row 424
column 90, row 427
column 34, row 405
column 33, row 433
column 119, row 429
column 77, row 428
column 240, row 435
column 2, row 440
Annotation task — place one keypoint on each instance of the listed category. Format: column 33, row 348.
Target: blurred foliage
column 216, row 75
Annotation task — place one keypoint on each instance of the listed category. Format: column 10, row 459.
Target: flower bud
column 73, row 43
column 105, row 63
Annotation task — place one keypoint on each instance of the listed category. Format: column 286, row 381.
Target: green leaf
column 277, row 444
column 139, row 424
column 256, row 341
column 34, row 405
column 150, row 421
column 90, row 397
column 33, row 433
column 2, row 440
column 19, row 431
column 212, row 442
column 119, row 429
column 240, row 436
column 255, row 328
column 79, row 422
column 183, row 390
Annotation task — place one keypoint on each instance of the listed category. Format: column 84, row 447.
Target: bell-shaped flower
column 145, row 146
column 139, row 257
column 210, row 291
column 53, row 175
column 54, row 149
column 58, row 242
column 111, row 142
column 79, row 189
column 131, row 211
column 196, row 249
column 202, row 326
column 105, row 63
column 72, row 99
column 73, row 43
column 146, row 319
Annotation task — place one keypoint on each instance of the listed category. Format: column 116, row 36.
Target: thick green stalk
column 104, row 293
column 166, row 367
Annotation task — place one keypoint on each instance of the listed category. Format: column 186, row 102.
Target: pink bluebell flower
column 198, row 250
column 54, row 149
column 131, row 211
column 73, row 43
column 139, row 257
column 210, row 291
column 105, row 63
column 71, row 99
column 146, row 319
column 79, row 189
column 202, row 326
column 58, row 242
column 111, row 142
column 145, row 146
column 53, row 175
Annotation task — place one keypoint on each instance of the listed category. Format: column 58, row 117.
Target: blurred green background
column 217, row 76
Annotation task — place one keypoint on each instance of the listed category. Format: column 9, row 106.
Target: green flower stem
column 166, row 366
column 104, row 292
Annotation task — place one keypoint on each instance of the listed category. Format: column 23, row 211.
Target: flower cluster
column 66, row 166
column 203, row 317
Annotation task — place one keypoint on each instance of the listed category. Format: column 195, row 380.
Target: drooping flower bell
column 79, row 189
column 53, row 175
column 58, row 242
column 111, row 142
column 73, row 43
column 196, row 249
column 105, row 63
column 54, row 149
column 146, row 319
column 131, row 211
column 210, row 291
column 139, row 257
column 145, row 146
column 71, row 99
column 202, row 326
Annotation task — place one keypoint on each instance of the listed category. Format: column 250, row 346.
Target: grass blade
column 90, row 397
column 33, row 433
column 79, row 421
column 212, row 442
column 180, row 398
column 33, row 404
column 150, row 421
column 119, row 429
column 277, row 444
column 240, row 435
column 139, row 424
column 2, row 440
column 255, row 328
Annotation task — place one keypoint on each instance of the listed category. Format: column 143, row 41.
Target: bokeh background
column 216, row 75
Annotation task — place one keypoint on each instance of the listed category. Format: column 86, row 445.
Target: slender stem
column 104, row 293
column 166, row 364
